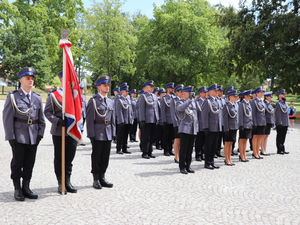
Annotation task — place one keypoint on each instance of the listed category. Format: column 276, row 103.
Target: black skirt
column 230, row 136
column 260, row 130
column 245, row 134
column 268, row 129
column 176, row 135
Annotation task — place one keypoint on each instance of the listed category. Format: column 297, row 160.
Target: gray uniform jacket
column 18, row 112
column 211, row 115
column 100, row 118
column 230, row 116
column 148, row 108
column 166, row 116
column 123, row 111
column 281, row 114
column 83, row 97
column 53, row 112
column 259, row 112
column 133, row 104
column 221, row 102
column 269, row 113
column 173, row 111
column 188, row 120
column 199, row 103
column 245, row 115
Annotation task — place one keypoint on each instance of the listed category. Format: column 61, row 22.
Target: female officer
column 230, row 123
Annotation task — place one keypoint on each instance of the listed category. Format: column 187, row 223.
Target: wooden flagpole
column 64, row 36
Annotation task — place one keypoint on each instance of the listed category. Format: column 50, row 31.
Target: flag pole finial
column 64, row 33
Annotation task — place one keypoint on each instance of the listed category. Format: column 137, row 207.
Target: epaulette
column 95, row 95
column 36, row 93
column 13, row 92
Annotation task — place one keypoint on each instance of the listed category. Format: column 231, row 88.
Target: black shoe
column 158, row 147
column 96, row 183
column 145, row 156
column 189, row 170
column 286, row 152
column 202, row 157
column 242, row 160
column 215, row 167
column 127, row 146
column 280, row 153
column 119, row 152
column 18, row 195
column 227, row 164
column 215, row 156
column 267, row 154
column 105, row 183
column 176, row 161
column 135, row 140
column 208, row 166
column 82, row 144
column 183, row 171
column 198, row 159
column 171, row 153
column 69, row 187
column 126, row 152
column 255, row 157
column 59, row 189
column 27, row 192
column 151, row 156
column 167, row 154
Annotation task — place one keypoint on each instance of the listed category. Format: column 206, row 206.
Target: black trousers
column 122, row 136
column 168, row 136
column 23, row 158
column 211, row 139
column 158, row 135
column 70, row 151
column 220, row 138
column 186, row 150
column 280, row 138
column 147, row 136
column 100, row 156
column 199, row 144
column 132, row 130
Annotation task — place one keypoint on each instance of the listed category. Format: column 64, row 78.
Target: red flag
column 73, row 107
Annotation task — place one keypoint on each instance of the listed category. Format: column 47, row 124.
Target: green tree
column 111, row 43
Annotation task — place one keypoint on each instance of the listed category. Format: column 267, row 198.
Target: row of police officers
column 171, row 118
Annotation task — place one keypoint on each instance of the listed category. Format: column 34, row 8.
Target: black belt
column 103, row 122
column 28, row 121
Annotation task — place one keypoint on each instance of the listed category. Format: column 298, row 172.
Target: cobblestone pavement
column 154, row 192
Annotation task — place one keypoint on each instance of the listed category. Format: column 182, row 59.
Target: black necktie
column 104, row 99
column 28, row 97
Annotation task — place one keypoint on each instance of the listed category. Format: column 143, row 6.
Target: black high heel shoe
column 242, row 160
column 227, row 164
column 176, row 161
column 254, row 157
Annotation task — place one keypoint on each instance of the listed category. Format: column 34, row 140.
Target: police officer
column 123, row 119
column 24, row 126
column 259, row 122
column 53, row 112
column 188, row 128
column 200, row 138
column 100, row 123
column 281, row 121
column 212, row 126
column 175, row 119
column 245, row 122
column 133, row 127
column 166, row 119
column 230, row 125
column 270, row 121
column 148, row 116
column 221, row 101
